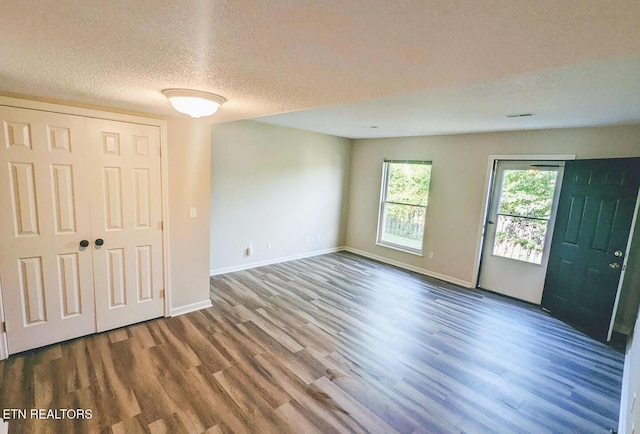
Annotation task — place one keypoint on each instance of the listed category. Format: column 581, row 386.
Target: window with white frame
column 403, row 204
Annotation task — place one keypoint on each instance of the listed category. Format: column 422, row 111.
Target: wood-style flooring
column 330, row 344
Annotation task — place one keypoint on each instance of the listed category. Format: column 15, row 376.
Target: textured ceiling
column 594, row 94
column 280, row 56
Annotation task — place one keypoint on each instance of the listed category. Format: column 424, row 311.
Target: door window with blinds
column 403, row 204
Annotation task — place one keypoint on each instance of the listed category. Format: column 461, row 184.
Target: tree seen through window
column 405, row 197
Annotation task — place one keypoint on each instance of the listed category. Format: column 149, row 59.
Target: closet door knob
column 99, row 242
column 84, row 243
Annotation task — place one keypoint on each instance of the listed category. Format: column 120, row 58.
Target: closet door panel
column 126, row 215
column 47, row 281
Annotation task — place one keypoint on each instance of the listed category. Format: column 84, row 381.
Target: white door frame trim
column 616, row 303
column 487, row 196
column 4, row 345
column 164, row 169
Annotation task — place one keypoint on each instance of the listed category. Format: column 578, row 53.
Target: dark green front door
column 595, row 211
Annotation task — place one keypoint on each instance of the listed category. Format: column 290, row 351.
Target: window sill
column 400, row 249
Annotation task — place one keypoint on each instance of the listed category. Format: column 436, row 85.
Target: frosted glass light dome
column 194, row 103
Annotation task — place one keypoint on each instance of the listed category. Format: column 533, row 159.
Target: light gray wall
column 277, row 185
column 188, row 180
column 458, row 186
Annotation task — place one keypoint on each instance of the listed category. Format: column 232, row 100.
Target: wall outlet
column 193, row 212
column 268, row 246
column 249, row 249
column 430, row 255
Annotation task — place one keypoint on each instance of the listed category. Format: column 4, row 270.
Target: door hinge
column 162, row 293
column 161, row 225
column 3, row 327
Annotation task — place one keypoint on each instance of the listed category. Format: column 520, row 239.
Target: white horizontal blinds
column 427, row 163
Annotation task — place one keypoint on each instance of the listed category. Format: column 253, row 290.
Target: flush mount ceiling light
column 194, row 103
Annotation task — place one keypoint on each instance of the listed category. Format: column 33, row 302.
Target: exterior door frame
column 612, row 322
column 486, row 202
column 164, row 187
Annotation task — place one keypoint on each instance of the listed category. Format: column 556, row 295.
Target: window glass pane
column 403, row 225
column 408, row 183
column 520, row 238
column 527, row 192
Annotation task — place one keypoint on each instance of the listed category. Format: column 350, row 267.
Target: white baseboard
column 460, row 282
column 250, row 265
column 181, row 310
column 424, row 271
column 4, row 347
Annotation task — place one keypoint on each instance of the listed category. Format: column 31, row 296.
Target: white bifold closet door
column 65, row 182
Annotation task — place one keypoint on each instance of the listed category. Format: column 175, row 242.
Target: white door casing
column 61, row 183
column 4, row 348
